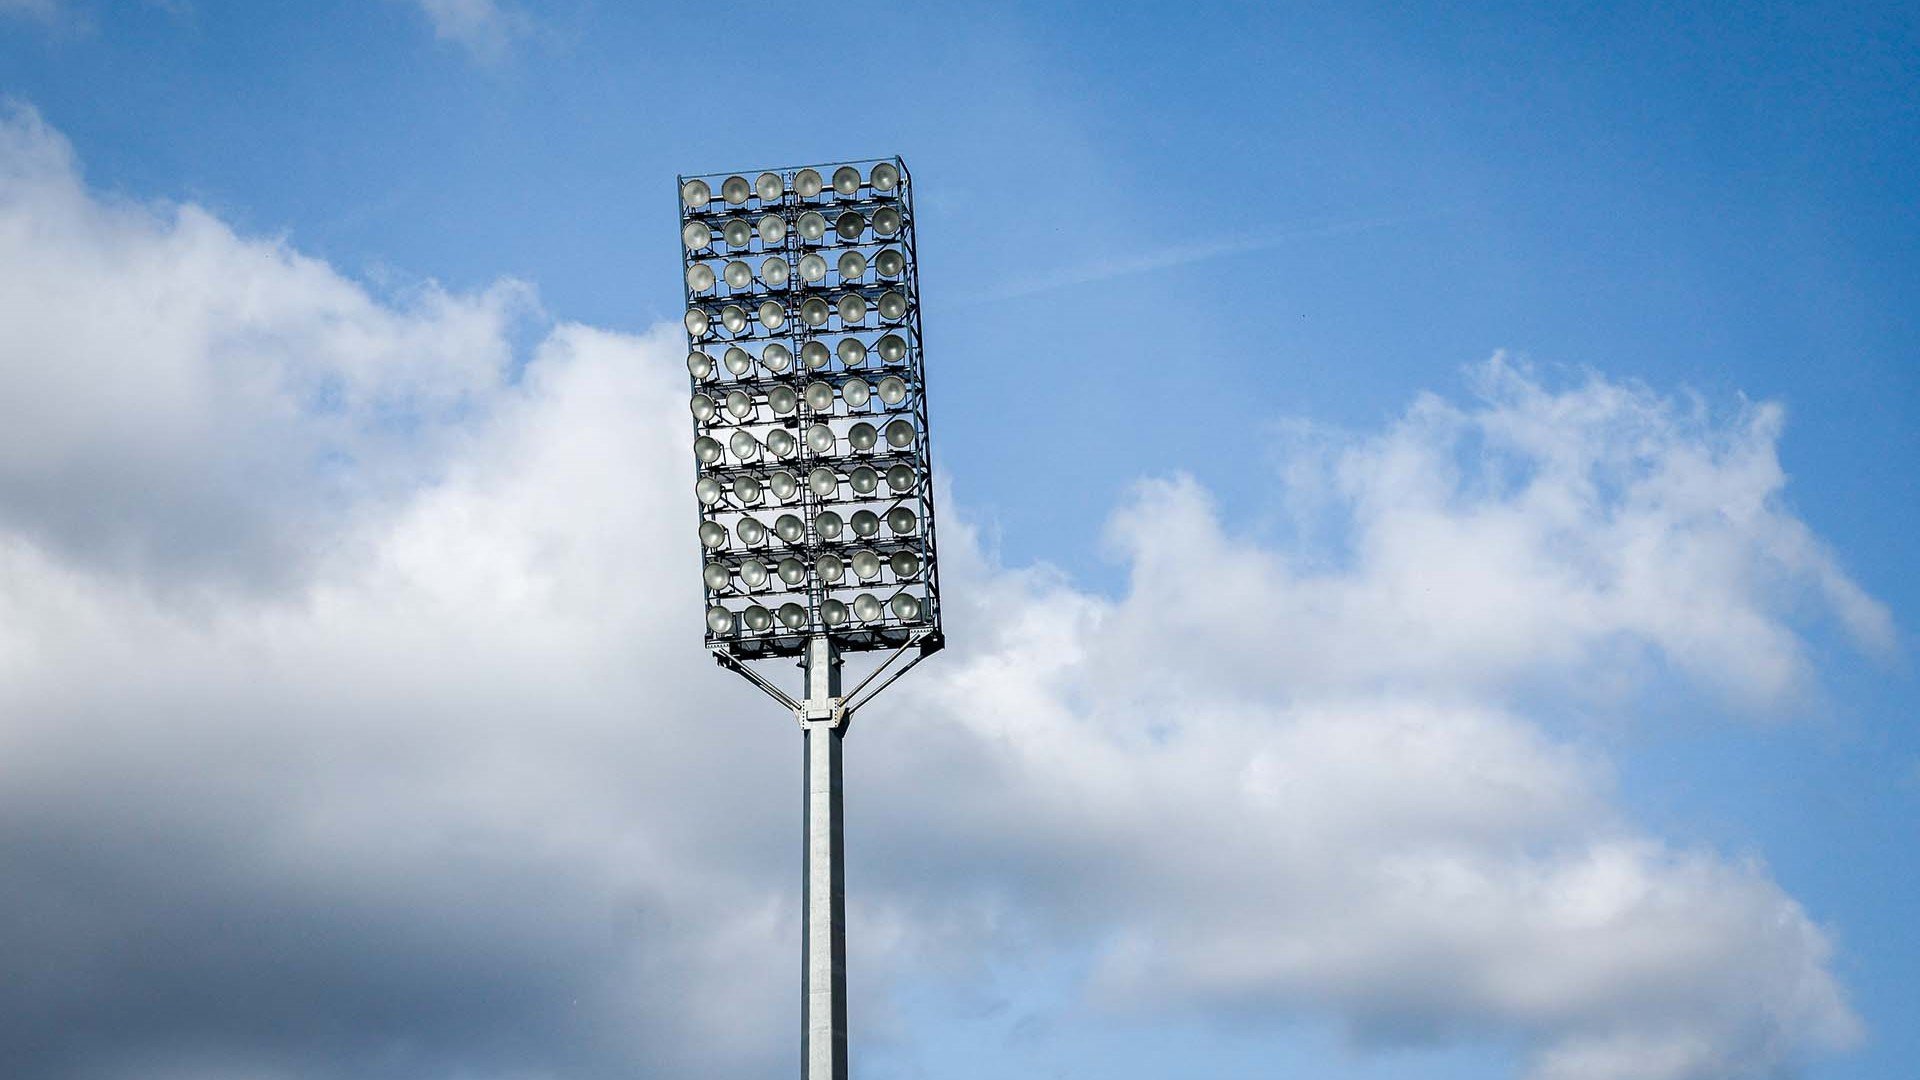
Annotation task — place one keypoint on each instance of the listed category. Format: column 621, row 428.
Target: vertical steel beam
column 823, row 977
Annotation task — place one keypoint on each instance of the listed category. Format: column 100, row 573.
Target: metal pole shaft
column 823, row 978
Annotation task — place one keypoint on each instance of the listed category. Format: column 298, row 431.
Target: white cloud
column 485, row 28
column 353, row 720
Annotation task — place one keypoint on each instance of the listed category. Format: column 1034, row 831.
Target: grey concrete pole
column 823, row 979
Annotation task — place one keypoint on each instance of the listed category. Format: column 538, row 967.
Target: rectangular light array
column 810, row 420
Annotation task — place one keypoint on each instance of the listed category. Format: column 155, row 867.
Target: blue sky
column 1236, row 243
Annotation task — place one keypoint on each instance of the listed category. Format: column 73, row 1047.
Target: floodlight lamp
column 853, row 352
column 739, row 404
column 739, row 275
column 773, row 315
column 776, row 357
column 793, row 616
column 820, row 439
column 900, row 478
column 904, row 564
column 702, row 407
column 772, row 229
column 886, row 221
column 707, row 449
column 734, row 318
column 769, row 186
column 832, row 612
column 753, row 574
column 806, row 183
column 863, row 480
column 866, row 565
column 900, row 434
column 814, row 354
column 889, row 263
column 696, row 235
column 892, row 390
column 865, row 607
column 738, row 233
column 814, row 311
column 781, row 443
column 901, row 520
column 708, row 490
column 829, row 568
column 853, row 266
column 737, row 360
column 812, row 225
column 905, row 607
column 850, row 225
column 865, row 523
column 792, row 570
column 884, row 178
column 789, row 528
column 812, row 268
column 712, row 535
column 782, row 400
column 717, row 576
column 852, row 308
column 893, row 306
column 744, row 446
column 719, row 619
column 757, row 618
column 775, row 271
column 750, row 531
column 820, row 397
column 828, row 525
column 699, row 277
column 823, row 482
column 892, row 348
column 700, row 365
column 783, row 485
column 695, row 194
column 855, row 392
column 846, row 180
column 746, row 489
column 697, row 322
column 862, row 436
column 735, row 190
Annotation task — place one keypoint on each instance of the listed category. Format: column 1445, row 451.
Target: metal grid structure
column 812, row 463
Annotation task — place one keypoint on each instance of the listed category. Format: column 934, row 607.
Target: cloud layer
column 353, row 721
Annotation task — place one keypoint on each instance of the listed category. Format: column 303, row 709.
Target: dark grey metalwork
column 753, row 597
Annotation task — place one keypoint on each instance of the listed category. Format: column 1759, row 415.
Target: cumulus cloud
column 353, row 720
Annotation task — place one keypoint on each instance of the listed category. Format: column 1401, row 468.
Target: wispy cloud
column 1167, row 256
column 484, row 28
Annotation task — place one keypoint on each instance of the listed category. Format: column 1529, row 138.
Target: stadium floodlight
column 812, row 475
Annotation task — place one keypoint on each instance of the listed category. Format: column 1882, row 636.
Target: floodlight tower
column 811, row 470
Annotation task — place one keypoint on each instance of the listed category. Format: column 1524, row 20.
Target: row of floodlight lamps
column 789, row 574
column 828, row 527
column 820, row 440
column 777, row 359
column 818, row 396
column 883, row 180
column 849, row 227
column 775, row 272
column 782, row 485
column 814, row 311
column 723, row 621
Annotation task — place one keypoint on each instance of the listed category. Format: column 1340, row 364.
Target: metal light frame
column 811, row 592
